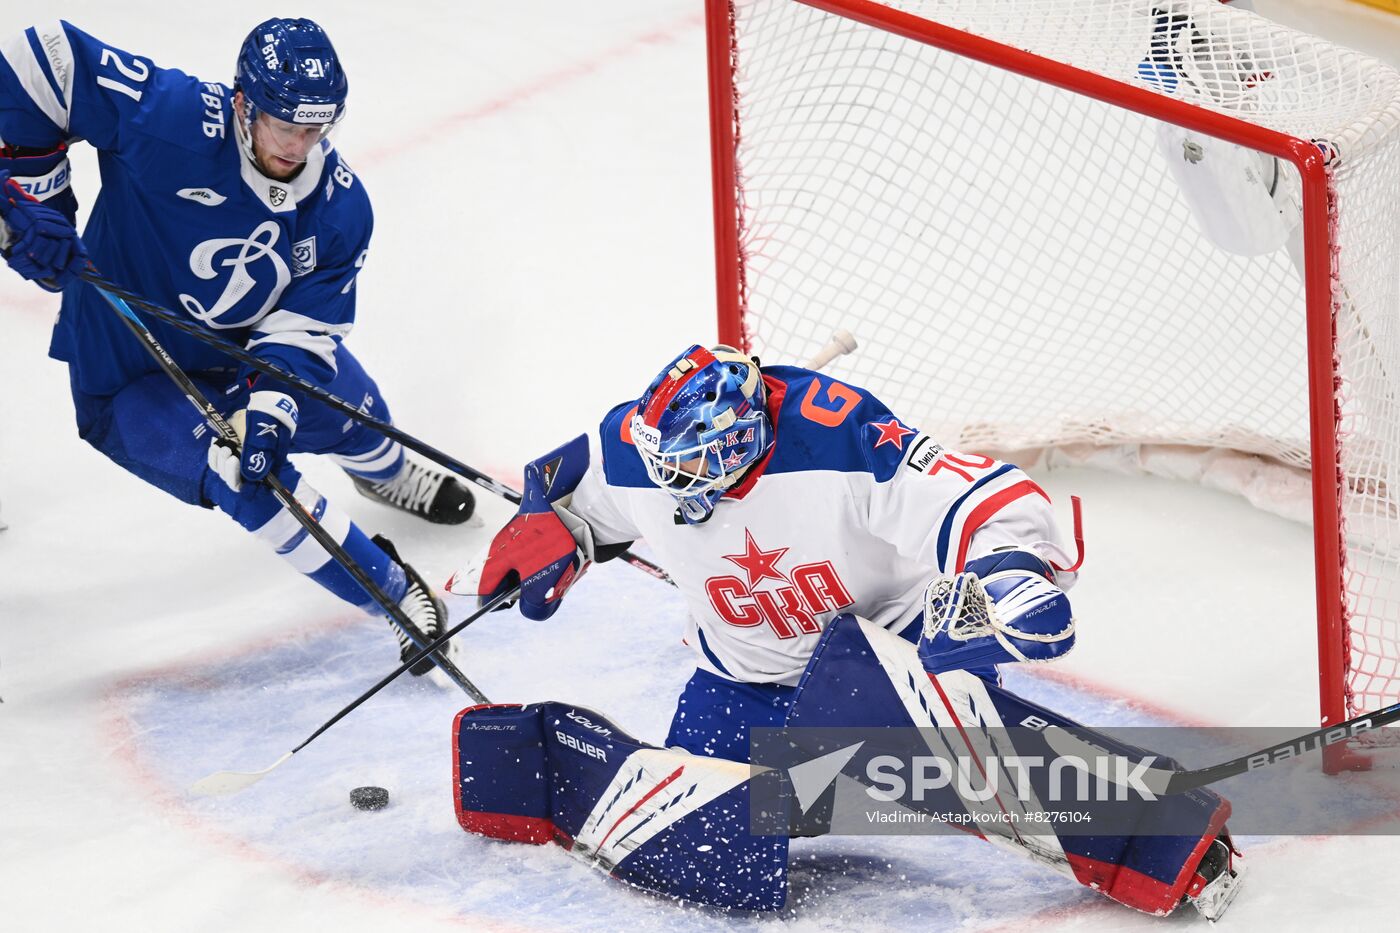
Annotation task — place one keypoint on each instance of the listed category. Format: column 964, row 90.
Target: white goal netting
column 1028, row 267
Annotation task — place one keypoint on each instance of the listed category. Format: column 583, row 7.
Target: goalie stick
column 279, row 490
column 223, row 783
column 1165, row 781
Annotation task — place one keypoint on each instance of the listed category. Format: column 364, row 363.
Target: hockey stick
column 235, row 352
column 841, row 343
column 280, row 491
column 1164, row 781
column 222, row 783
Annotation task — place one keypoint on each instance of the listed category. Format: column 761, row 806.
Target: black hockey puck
column 369, row 798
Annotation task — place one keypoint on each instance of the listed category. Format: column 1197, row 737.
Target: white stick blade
column 224, row 783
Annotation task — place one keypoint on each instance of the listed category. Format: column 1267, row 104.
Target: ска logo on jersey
column 790, row 605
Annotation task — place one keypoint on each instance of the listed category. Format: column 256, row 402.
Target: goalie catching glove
column 1003, row 607
column 545, row 548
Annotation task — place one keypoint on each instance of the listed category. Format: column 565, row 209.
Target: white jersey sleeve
column 597, row 504
column 942, row 508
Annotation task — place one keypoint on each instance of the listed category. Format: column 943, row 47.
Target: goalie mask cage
column 980, row 191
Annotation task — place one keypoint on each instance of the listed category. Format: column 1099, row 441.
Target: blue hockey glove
column 38, row 240
column 1003, row 607
column 265, row 427
column 44, row 174
column 544, row 548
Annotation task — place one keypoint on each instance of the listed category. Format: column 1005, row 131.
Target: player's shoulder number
column 130, row 76
column 929, row 457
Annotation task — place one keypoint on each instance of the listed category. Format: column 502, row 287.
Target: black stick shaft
column 1284, row 751
column 241, row 355
column 284, row 496
column 1164, row 781
column 422, row 653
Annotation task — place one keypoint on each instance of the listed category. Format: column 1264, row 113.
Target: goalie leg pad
column 1148, row 860
column 660, row 819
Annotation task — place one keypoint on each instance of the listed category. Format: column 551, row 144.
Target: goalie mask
column 701, row 425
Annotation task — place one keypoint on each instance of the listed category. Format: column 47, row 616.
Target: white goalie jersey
column 851, row 511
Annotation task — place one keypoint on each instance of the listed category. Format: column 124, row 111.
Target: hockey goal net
column 1089, row 225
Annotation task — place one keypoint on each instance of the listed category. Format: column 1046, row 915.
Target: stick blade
column 224, row 783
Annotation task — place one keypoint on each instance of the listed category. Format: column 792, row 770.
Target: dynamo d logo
column 303, row 257
column 212, row 257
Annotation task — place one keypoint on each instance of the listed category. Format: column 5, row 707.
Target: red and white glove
column 544, row 549
column 544, row 553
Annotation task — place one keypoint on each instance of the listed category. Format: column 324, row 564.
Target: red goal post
column 941, row 175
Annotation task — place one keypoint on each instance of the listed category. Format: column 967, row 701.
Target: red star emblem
column 758, row 563
column 891, row 432
column 733, row 460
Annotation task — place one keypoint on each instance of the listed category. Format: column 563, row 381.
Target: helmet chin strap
column 732, row 479
column 243, row 128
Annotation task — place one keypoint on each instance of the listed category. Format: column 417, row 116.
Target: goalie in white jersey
column 778, row 499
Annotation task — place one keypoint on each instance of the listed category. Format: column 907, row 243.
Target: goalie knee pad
column 1003, row 607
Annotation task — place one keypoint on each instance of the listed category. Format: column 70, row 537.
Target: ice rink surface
column 540, row 178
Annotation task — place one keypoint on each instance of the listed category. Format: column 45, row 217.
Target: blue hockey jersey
column 184, row 217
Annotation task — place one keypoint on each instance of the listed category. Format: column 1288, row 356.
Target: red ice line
column 552, row 81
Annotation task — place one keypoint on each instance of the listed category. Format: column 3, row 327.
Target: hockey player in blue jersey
column 231, row 204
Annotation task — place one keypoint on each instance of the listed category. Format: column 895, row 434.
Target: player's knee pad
column 1003, row 607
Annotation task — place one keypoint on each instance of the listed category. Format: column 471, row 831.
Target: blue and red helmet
column 700, row 426
column 288, row 69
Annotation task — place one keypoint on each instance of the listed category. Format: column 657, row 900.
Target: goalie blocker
column 679, row 824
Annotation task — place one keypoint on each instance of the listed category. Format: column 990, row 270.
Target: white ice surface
column 540, row 177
